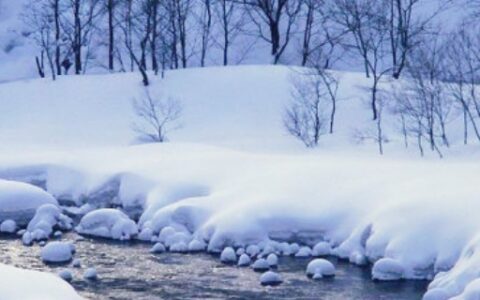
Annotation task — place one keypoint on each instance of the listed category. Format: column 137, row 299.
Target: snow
column 8, row 226
column 244, row 260
column 108, row 223
column 231, row 176
column 19, row 201
column 228, row 256
column 46, row 218
column 270, row 278
column 197, row 246
column 57, row 252
column 179, row 247
column 33, row 285
column 387, row 269
column 90, row 274
column 304, row 251
column 260, row 265
column 320, row 267
column 272, row 260
column 158, row 248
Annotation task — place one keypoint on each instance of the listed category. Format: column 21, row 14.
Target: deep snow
column 232, row 177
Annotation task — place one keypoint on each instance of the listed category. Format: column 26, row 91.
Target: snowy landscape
column 193, row 153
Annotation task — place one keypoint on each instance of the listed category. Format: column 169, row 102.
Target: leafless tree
column 156, row 117
column 279, row 17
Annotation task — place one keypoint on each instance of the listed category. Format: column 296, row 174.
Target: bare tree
column 312, row 110
column 157, row 117
column 279, row 16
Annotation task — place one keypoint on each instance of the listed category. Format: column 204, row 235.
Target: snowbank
column 108, row 223
column 33, row 285
column 19, row 201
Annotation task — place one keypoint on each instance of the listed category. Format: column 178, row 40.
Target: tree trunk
column 111, row 35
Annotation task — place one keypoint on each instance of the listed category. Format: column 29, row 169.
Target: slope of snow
column 232, row 177
column 33, row 285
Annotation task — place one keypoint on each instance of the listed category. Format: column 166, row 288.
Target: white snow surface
column 33, row 285
column 107, row 223
column 57, row 252
column 232, row 177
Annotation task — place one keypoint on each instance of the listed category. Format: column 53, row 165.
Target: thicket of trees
column 439, row 67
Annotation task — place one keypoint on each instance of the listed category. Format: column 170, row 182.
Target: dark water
column 129, row 271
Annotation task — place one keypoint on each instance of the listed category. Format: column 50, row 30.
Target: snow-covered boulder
column 319, row 268
column 66, row 275
column 321, row 249
column 178, row 237
column 57, row 252
column 260, row 265
column 304, row 251
column 108, row 223
column 197, row 246
column 228, row 256
column 47, row 217
column 90, row 274
column 253, row 250
column 158, row 248
column 8, row 226
column 270, row 278
column 244, row 260
column 294, row 248
column 26, row 284
column 240, row 251
column 179, row 247
column 19, row 201
column 165, row 233
column 387, row 269
column 77, row 263
column 272, row 260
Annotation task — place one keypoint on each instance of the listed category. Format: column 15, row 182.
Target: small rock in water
column 90, row 274
column 253, row 250
column 244, row 260
column 270, row 278
column 57, row 252
column 180, row 247
column 260, row 265
column 197, row 246
column 304, row 252
column 321, row 249
column 387, row 269
column 66, row 275
column 272, row 260
column 77, row 263
column 228, row 256
column 8, row 226
column 158, row 248
column 58, row 234
column 319, row 268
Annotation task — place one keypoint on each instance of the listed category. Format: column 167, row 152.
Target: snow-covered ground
column 231, row 176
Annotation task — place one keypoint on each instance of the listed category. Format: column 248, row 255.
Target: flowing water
column 129, row 271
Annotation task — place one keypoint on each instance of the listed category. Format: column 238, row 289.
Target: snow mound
column 57, row 252
column 158, row 248
column 108, row 223
column 228, row 256
column 8, row 226
column 271, row 278
column 260, row 265
column 387, row 269
column 320, row 268
column 303, row 252
column 197, row 246
column 272, row 260
column 244, row 260
column 321, row 249
column 33, row 285
column 47, row 217
column 179, row 247
column 90, row 274
column 19, row 201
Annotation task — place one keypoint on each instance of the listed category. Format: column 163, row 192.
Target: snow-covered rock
column 244, row 260
column 158, row 248
column 66, row 275
column 57, row 252
column 319, row 268
column 179, row 247
column 197, row 246
column 253, row 250
column 108, row 223
column 77, row 263
column 272, row 260
column 387, row 269
column 26, row 284
column 8, row 226
column 240, row 251
column 260, row 265
column 47, row 217
column 303, row 252
column 321, row 249
column 228, row 256
column 90, row 274
column 19, row 201
column 165, row 233
column 294, row 248
column 178, row 237
column 270, row 278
